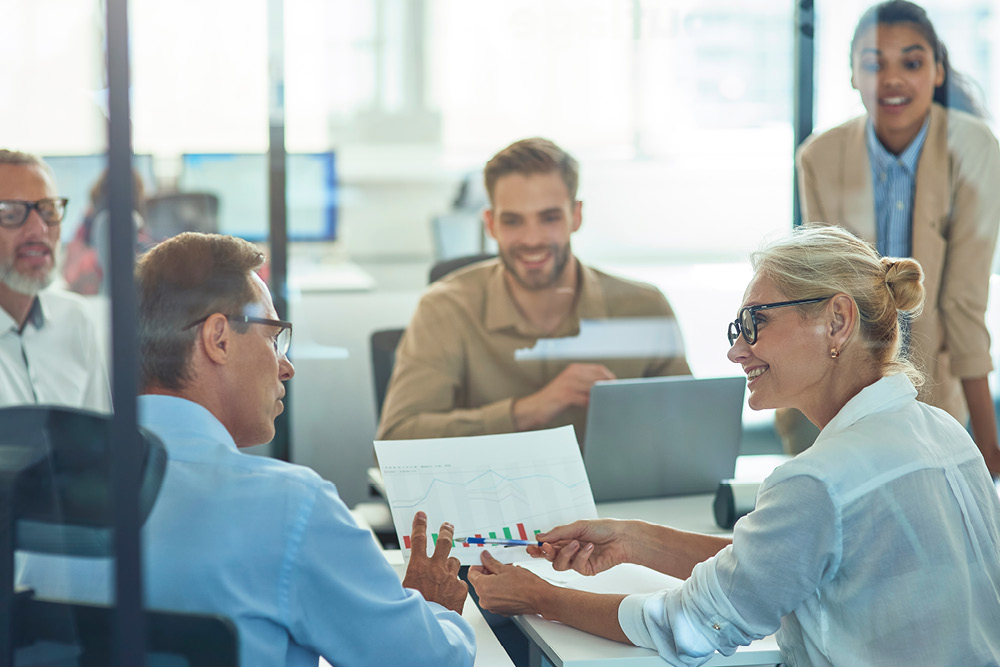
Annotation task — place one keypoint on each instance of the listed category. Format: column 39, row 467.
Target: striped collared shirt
column 894, row 181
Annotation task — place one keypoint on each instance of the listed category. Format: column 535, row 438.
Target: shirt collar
column 502, row 313
column 36, row 314
column 885, row 394
column 882, row 159
column 36, row 318
column 183, row 424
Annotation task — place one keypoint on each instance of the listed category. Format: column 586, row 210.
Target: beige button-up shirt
column 458, row 369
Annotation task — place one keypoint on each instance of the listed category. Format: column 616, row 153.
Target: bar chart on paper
column 509, row 486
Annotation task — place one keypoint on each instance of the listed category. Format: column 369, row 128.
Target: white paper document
column 624, row 578
column 507, row 486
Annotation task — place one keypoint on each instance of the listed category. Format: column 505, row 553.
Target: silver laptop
column 654, row 437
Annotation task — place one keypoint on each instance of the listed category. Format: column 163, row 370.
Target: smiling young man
column 457, row 369
column 266, row 543
column 50, row 352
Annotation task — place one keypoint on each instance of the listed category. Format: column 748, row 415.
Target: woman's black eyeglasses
column 746, row 320
column 281, row 341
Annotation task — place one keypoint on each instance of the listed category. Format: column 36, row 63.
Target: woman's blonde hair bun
column 905, row 280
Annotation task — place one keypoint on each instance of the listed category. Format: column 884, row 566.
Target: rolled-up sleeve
column 781, row 553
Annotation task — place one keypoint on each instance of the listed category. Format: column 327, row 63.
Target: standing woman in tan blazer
column 918, row 176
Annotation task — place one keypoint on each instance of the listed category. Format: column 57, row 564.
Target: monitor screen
column 240, row 181
column 76, row 175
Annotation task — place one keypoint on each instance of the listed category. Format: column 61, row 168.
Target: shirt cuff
column 971, row 366
column 677, row 641
column 630, row 618
column 499, row 417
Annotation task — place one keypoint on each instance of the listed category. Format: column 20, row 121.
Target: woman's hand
column 508, row 589
column 588, row 547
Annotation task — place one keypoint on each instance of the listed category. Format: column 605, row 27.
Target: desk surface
column 568, row 647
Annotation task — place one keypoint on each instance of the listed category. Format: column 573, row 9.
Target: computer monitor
column 240, row 181
column 76, row 175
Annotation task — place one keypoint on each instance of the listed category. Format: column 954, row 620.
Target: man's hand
column 569, row 388
column 435, row 577
column 508, row 589
column 588, row 547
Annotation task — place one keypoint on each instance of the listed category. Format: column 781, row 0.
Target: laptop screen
column 665, row 436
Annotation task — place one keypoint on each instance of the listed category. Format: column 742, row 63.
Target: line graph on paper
column 500, row 486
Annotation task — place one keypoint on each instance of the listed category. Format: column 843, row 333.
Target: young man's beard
column 560, row 255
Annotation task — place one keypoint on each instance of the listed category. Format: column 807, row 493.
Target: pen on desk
column 505, row 543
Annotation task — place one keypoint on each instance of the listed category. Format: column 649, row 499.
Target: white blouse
column 880, row 545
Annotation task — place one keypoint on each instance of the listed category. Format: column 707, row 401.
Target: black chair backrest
column 61, row 502
column 55, row 497
column 383, row 345
column 444, row 267
column 45, row 629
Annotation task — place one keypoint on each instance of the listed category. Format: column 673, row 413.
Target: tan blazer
column 956, row 211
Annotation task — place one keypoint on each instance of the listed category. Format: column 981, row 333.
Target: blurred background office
column 681, row 114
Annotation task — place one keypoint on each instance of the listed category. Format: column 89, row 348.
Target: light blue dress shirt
column 894, row 182
column 879, row 545
column 270, row 545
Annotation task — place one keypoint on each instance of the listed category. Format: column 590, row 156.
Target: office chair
column 170, row 214
column 55, row 498
column 383, row 344
column 444, row 267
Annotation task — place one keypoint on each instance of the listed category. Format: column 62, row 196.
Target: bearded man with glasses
column 50, row 351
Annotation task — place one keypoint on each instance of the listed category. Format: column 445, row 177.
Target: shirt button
column 899, row 206
column 716, row 626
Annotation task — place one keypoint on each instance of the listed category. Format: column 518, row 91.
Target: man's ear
column 842, row 317
column 577, row 215
column 489, row 223
column 216, row 338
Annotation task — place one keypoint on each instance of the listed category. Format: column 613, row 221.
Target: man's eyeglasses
column 746, row 320
column 281, row 340
column 14, row 212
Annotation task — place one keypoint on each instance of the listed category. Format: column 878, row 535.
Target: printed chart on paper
column 508, row 486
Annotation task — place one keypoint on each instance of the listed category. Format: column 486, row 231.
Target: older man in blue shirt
column 267, row 543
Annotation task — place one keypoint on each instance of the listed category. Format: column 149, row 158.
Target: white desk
column 564, row 646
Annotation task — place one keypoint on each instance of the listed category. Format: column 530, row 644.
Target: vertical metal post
column 805, row 51
column 129, row 626
column 635, row 82
column 278, row 209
